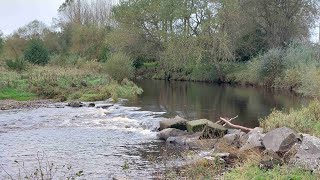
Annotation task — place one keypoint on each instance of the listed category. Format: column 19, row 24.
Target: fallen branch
column 229, row 120
column 235, row 126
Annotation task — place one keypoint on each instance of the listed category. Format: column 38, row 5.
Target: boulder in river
column 280, row 140
column 170, row 132
column 177, row 122
column 75, row 104
column 212, row 129
column 308, row 153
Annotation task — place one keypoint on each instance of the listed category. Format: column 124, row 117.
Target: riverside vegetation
column 92, row 50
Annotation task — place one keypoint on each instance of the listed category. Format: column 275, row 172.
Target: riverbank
column 280, row 153
column 86, row 83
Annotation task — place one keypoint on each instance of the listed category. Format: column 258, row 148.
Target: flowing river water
column 121, row 139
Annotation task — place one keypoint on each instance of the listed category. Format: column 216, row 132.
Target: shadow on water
column 194, row 100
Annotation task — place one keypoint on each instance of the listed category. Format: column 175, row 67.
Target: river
column 121, row 140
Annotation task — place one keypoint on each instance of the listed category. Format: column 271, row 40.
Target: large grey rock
column 212, row 129
column 280, row 140
column 308, row 153
column 233, row 138
column 252, row 140
column 170, row 132
column 177, row 122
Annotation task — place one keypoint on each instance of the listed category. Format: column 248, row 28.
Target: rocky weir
column 279, row 146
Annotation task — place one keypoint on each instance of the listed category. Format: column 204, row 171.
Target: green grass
column 253, row 172
column 15, row 94
column 63, row 83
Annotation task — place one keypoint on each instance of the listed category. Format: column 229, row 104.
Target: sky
column 17, row 13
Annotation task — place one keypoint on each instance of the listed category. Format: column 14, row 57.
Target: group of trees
column 180, row 35
column 185, row 33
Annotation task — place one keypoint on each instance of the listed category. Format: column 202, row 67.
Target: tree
column 36, row 52
column 280, row 22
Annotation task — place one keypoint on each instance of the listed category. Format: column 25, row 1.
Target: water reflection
column 203, row 100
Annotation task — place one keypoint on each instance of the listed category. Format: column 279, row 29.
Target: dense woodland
column 255, row 42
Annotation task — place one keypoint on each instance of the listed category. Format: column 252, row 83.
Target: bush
column 305, row 120
column 120, row 66
column 36, row 52
column 271, row 66
column 16, row 65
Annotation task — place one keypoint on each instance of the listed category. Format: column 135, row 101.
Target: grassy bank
column 86, row 81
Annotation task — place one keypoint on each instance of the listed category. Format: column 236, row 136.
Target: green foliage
column 252, row 171
column 271, row 66
column 56, row 82
column 18, row 64
column 36, row 52
column 304, row 120
column 119, row 66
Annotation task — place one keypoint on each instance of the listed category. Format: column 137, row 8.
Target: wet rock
column 252, row 140
column 103, row 106
column 182, row 140
column 177, row 122
column 127, row 126
column 212, row 129
column 308, row 154
column 170, row 132
column 280, row 140
column 91, row 105
column 120, row 178
column 75, row 104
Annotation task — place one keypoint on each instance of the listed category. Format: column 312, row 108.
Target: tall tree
column 279, row 22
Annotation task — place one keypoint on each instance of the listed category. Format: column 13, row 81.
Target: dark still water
column 194, row 100
column 120, row 140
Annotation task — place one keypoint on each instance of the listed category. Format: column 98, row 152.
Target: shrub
column 36, row 52
column 271, row 66
column 305, row 120
column 18, row 64
column 120, row 66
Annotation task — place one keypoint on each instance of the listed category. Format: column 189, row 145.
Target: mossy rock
column 211, row 129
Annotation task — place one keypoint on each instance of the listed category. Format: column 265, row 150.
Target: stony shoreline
column 278, row 147
column 12, row 104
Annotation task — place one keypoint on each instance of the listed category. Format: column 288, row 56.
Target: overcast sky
column 17, row 13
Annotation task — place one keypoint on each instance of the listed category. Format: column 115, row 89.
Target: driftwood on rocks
column 227, row 122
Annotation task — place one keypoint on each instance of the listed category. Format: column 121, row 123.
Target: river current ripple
column 96, row 140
